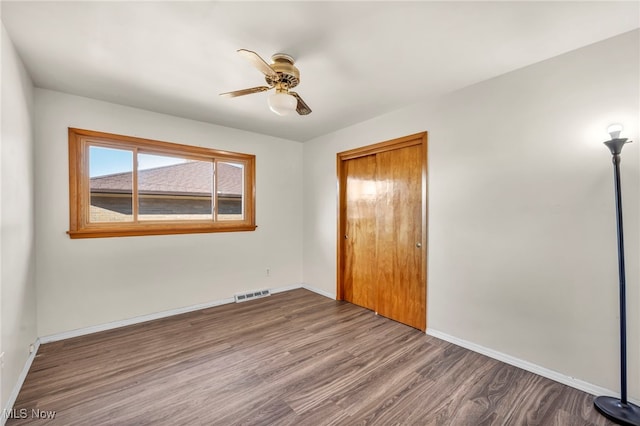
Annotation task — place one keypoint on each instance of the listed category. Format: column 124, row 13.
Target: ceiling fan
column 281, row 75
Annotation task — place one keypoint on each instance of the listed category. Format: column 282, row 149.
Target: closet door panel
column 400, row 287
column 360, row 232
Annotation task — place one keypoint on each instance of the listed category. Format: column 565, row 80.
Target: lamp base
column 612, row 408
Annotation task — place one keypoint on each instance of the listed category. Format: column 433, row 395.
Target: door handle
column 418, row 245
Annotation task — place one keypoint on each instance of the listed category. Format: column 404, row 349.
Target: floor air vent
column 243, row 297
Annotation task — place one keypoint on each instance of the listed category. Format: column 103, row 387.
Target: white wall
column 18, row 306
column 90, row 282
column 522, row 246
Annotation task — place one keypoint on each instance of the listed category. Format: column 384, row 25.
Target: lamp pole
column 619, row 410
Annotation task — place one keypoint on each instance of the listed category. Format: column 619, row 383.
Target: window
column 123, row 186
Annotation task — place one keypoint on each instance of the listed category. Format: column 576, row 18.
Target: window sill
column 156, row 230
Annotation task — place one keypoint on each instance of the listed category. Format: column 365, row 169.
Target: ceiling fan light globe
column 282, row 103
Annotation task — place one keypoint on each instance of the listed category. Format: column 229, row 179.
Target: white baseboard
column 283, row 289
column 21, row 378
column 320, row 292
column 306, row 287
column 529, row 366
column 149, row 317
column 130, row 321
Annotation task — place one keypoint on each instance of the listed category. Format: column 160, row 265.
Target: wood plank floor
column 294, row 358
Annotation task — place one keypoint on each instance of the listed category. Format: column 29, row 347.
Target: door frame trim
column 341, row 157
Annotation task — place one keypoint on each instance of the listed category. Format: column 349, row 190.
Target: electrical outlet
column 268, row 272
column 31, row 348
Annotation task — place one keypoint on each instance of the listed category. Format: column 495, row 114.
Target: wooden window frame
column 79, row 194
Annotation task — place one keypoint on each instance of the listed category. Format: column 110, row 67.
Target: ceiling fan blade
column 243, row 92
column 302, row 108
column 259, row 63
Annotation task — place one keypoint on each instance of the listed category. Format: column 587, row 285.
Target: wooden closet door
column 400, row 286
column 360, row 232
column 381, row 228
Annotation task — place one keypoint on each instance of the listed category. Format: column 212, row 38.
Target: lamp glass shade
column 614, row 130
column 282, row 103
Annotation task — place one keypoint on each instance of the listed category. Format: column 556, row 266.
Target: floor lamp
column 619, row 409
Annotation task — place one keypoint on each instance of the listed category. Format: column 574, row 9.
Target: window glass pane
column 173, row 188
column 110, row 185
column 230, row 191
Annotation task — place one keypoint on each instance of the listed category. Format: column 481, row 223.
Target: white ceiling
column 357, row 59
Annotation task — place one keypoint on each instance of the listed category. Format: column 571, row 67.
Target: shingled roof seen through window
column 190, row 178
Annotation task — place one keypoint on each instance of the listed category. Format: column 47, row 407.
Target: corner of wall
column 17, row 223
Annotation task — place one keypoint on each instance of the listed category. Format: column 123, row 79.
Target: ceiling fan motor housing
column 288, row 73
